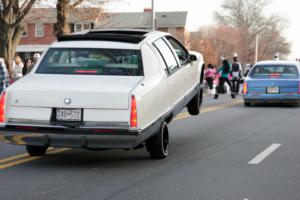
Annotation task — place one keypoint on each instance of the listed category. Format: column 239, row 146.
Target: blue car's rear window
column 275, row 71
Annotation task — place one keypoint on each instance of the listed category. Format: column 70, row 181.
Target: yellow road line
column 13, row 158
column 209, row 109
column 28, row 159
column 19, row 156
column 11, row 164
column 5, row 163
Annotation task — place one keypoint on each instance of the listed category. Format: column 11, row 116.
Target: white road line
column 260, row 157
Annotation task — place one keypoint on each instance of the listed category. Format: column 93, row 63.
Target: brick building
column 40, row 28
column 40, row 25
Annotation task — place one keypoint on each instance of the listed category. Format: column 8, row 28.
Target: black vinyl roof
column 127, row 36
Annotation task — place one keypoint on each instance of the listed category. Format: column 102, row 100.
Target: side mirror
column 192, row 57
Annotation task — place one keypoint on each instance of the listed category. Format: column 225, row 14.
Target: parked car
column 109, row 89
column 272, row 82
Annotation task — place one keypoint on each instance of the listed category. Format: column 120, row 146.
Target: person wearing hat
column 36, row 58
column 236, row 74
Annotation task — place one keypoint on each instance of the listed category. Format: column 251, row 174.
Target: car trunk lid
column 73, row 91
column 285, row 86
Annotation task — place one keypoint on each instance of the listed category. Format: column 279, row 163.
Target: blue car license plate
column 272, row 90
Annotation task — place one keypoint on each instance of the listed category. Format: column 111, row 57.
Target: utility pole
column 152, row 15
column 256, row 48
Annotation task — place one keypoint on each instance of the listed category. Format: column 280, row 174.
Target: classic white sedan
column 109, row 89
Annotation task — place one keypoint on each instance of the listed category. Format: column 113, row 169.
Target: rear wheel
column 158, row 145
column 193, row 106
column 36, row 150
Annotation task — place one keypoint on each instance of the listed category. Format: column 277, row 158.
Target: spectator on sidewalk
column 17, row 68
column 4, row 77
column 224, row 70
column 209, row 77
column 36, row 58
column 236, row 74
column 276, row 56
column 28, row 67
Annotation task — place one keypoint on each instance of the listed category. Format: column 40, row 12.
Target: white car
column 109, row 89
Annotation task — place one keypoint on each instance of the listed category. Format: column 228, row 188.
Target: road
column 228, row 152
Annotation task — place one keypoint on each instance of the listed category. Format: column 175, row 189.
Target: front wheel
column 36, row 150
column 193, row 106
column 158, row 145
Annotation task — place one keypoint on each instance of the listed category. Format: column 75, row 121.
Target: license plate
column 272, row 90
column 69, row 115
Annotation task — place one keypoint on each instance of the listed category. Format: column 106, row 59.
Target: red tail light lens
column 133, row 115
column 245, row 88
column 275, row 75
column 299, row 88
column 2, row 108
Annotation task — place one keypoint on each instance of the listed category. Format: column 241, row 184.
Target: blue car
column 272, row 82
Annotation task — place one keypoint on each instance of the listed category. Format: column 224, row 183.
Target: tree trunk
column 11, row 16
column 9, row 40
column 63, row 12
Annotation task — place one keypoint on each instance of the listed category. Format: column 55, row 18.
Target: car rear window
column 275, row 71
column 88, row 61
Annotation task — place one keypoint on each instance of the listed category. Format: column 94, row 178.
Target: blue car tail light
column 245, row 88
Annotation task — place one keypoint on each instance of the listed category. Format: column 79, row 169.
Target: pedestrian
column 276, row 56
column 17, row 68
column 248, row 67
column 209, row 77
column 236, row 74
column 4, row 77
column 224, row 70
column 28, row 67
column 36, row 58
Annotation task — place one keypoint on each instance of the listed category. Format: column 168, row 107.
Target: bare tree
column 215, row 42
column 249, row 17
column 12, row 13
column 64, row 7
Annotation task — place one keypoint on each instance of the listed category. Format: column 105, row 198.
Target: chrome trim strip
column 44, row 123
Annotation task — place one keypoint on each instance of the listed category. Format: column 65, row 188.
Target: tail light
column 245, row 88
column 2, row 108
column 275, row 75
column 299, row 87
column 133, row 114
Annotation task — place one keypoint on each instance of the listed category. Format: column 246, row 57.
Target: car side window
column 180, row 50
column 167, row 55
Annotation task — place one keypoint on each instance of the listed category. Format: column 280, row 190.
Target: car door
column 190, row 71
column 175, row 77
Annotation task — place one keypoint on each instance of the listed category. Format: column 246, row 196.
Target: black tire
column 36, row 150
column 193, row 106
column 158, row 145
column 247, row 104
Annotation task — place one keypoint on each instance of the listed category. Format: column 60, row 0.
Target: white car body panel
column 106, row 100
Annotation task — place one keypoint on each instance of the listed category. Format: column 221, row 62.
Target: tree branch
column 75, row 4
column 25, row 8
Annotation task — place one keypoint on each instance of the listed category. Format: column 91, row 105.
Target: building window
column 77, row 27
column 39, row 30
column 86, row 26
column 25, row 32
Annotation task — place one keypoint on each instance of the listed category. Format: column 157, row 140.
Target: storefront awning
column 32, row 48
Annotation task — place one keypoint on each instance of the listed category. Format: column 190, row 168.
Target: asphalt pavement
column 228, row 152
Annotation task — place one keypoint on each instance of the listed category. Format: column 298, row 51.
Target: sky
column 200, row 13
